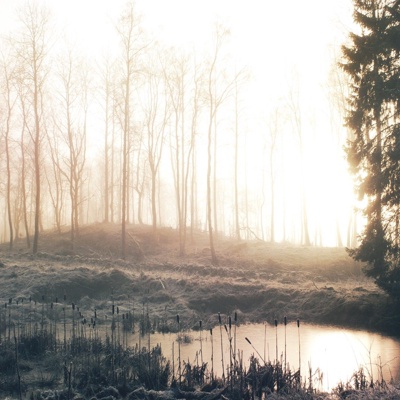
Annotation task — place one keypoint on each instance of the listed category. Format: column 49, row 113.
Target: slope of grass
column 260, row 281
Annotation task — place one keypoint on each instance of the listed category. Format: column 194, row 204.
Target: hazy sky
column 270, row 37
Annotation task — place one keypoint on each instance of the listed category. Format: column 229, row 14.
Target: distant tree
column 294, row 107
column 72, row 130
column 156, row 115
column 127, row 31
column 9, row 99
column 107, row 91
column 272, row 147
column 214, row 102
column 25, row 147
column 31, row 46
column 240, row 77
column 55, row 179
column 236, row 163
column 336, row 91
column 183, row 91
column 372, row 61
column 217, row 91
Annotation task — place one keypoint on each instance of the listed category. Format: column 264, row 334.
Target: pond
column 332, row 354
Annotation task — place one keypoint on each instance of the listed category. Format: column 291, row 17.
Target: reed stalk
column 173, row 361
column 201, row 342
column 285, row 323
column 259, row 355
column 73, row 323
column 9, row 319
column 118, row 332
column 30, row 316
column 17, row 366
column 148, row 335
column 222, row 348
column 69, row 381
column 298, row 334
column 42, row 318
column 265, row 340
column 230, row 352
column 234, row 338
column 212, row 356
column 179, row 348
column 276, row 339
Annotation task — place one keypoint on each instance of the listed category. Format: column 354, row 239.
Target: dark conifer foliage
column 372, row 63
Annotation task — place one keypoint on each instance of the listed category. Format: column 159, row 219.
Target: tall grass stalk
column 222, row 348
column 201, row 342
column 234, row 338
column 148, row 334
column 17, row 366
column 228, row 332
column 42, row 319
column 179, row 348
column 212, row 355
column 265, row 340
column 173, row 361
column 65, row 324
column 231, row 351
column 9, row 319
column 118, row 331
column 259, row 355
column 285, row 323
column 298, row 334
column 276, row 340
column 30, row 316
column 113, row 340
column 73, row 322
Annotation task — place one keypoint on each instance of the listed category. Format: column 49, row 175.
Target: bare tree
column 216, row 93
column 9, row 101
column 337, row 92
column 132, row 46
column 72, row 129
column 184, row 94
column 24, row 151
column 273, row 135
column 32, row 51
column 156, row 116
column 56, row 182
column 108, row 83
column 242, row 75
column 293, row 103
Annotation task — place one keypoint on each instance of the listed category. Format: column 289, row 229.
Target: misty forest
column 175, row 177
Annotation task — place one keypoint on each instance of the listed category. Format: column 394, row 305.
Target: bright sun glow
column 287, row 49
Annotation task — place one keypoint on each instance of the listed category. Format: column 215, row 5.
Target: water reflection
column 333, row 354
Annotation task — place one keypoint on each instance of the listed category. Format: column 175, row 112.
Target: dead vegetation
column 261, row 281
column 256, row 281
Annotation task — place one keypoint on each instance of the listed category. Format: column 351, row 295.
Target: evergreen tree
column 372, row 63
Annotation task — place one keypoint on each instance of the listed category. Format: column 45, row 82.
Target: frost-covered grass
column 258, row 281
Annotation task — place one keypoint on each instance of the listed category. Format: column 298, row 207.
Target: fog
column 179, row 113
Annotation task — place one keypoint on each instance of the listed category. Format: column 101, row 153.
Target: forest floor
column 256, row 280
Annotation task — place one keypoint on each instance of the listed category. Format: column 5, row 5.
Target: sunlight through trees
column 192, row 136
column 372, row 62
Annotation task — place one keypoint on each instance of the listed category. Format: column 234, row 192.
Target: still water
column 333, row 354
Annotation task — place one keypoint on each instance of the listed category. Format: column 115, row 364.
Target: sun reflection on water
column 331, row 354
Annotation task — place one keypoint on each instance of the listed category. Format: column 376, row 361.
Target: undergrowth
column 57, row 351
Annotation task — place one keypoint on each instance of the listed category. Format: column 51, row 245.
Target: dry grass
column 260, row 281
